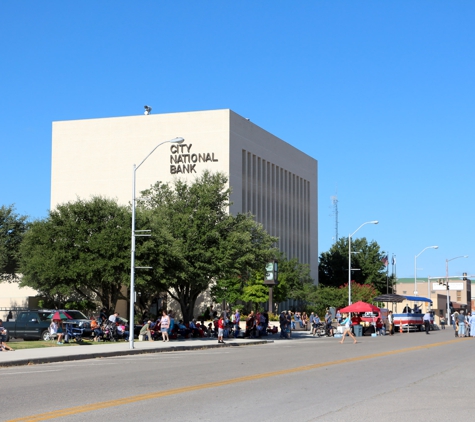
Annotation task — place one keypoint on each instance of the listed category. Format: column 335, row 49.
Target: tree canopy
column 80, row 251
column 366, row 262
column 195, row 241
column 12, row 230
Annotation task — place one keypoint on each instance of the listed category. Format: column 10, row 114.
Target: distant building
column 461, row 293
column 269, row 178
column 16, row 297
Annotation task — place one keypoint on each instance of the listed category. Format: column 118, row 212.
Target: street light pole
column 415, row 266
column 349, row 257
column 132, row 247
column 447, row 284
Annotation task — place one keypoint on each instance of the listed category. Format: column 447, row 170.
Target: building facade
column 460, row 293
column 269, row 178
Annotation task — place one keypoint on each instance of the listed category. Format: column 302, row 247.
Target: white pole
column 349, row 257
column 415, row 266
column 132, row 269
column 132, row 246
column 349, row 270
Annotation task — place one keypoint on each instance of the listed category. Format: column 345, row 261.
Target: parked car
column 34, row 324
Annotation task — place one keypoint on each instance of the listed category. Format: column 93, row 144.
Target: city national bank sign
column 184, row 160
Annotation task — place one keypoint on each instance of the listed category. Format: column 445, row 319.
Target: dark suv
column 34, row 324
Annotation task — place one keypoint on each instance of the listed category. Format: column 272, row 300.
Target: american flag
column 385, row 261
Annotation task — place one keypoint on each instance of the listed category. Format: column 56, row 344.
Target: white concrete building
column 269, row 178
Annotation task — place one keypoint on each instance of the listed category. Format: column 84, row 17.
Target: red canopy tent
column 360, row 307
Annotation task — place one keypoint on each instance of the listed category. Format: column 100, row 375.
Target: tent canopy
column 418, row 299
column 400, row 298
column 360, row 307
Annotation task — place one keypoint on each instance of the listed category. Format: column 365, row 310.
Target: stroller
column 110, row 331
column 73, row 333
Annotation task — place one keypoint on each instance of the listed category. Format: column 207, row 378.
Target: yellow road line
column 126, row 400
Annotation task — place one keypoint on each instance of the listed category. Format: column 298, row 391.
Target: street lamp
column 349, row 257
column 447, row 284
column 132, row 248
column 415, row 266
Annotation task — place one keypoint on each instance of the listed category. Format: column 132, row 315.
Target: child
column 221, row 329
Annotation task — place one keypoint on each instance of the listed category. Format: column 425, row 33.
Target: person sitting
column 298, row 319
column 380, row 327
column 195, row 331
column 145, row 331
column 122, row 331
column 56, row 327
column 96, row 329
column 3, row 338
column 183, row 330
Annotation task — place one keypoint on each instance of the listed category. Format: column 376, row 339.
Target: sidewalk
column 61, row 354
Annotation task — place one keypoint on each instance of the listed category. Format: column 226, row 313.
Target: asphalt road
column 404, row 377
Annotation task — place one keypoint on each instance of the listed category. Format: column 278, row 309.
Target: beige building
column 15, row 297
column 459, row 293
column 269, row 178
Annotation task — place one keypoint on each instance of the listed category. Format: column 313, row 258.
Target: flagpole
column 387, row 275
column 393, row 262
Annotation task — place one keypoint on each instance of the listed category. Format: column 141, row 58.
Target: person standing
column 426, row 320
column 113, row 317
column 347, row 324
column 237, row 320
column 164, row 325
column 311, row 318
column 471, row 321
column 461, row 319
column 391, row 323
column 328, row 322
column 283, row 324
column 455, row 322
column 338, row 316
column 316, row 324
column 221, row 329
column 289, row 323
column 442, row 322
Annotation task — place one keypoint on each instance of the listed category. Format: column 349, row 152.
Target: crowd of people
column 464, row 325
column 227, row 324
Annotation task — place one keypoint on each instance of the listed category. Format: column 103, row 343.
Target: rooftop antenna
column 334, row 200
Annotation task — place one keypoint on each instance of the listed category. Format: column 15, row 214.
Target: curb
column 97, row 355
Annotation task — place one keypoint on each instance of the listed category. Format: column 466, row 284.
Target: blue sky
column 381, row 93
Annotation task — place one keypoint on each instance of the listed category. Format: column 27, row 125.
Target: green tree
column 294, row 280
column 324, row 297
column 12, row 230
column 195, row 241
column 81, row 251
column 366, row 258
column 256, row 291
